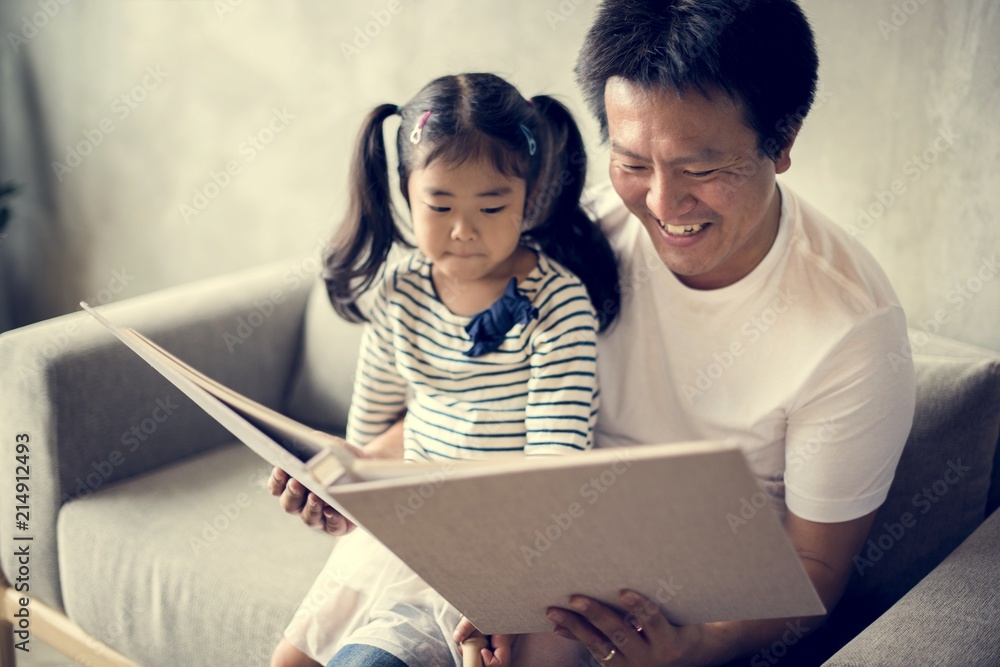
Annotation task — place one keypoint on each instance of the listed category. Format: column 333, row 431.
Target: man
column 746, row 314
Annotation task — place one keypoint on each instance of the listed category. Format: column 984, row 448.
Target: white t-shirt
column 801, row 362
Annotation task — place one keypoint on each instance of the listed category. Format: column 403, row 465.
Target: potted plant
column 7, row 191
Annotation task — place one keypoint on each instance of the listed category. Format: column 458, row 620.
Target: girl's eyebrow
column 496, row 192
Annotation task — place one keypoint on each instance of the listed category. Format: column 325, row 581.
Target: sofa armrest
column 950, row 618
column 95, row 413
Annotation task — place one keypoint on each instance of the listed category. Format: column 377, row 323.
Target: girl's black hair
column 473, row 117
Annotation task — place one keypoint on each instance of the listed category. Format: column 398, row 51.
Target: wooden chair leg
column 7, row 658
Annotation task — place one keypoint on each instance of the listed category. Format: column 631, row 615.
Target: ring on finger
column 610, row 655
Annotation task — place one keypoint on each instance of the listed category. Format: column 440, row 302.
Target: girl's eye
column 439, row 209
column 496, row 209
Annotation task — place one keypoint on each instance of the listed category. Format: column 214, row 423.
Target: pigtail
column 560, row 226
column 358, row 251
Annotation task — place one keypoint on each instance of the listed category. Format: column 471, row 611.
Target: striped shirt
column 536, row 393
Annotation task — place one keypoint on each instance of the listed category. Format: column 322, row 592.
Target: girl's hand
column 297, row 499
column 499, row 647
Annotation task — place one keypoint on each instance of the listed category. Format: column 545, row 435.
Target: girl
column 484, row 335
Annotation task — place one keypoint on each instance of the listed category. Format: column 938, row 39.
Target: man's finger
column 645, row 616
column 574, row 626
column 606, row 620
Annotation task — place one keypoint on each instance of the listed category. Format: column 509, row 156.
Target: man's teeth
column 684, row 230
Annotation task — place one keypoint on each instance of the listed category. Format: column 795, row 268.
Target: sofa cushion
column 323, row 379
column 950, row 618
column 185, row 555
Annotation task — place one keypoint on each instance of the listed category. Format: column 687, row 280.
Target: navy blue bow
column 489, row 328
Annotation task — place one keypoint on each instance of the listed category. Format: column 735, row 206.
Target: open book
column 503, row 540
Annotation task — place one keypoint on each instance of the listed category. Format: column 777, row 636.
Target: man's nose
column 668, row 197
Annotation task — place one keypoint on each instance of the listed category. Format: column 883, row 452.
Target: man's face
column 689, row 168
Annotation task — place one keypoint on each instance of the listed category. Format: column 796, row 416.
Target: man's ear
column 784, row 160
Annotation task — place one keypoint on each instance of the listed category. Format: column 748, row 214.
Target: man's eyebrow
column 621, row 150
column 707, row 154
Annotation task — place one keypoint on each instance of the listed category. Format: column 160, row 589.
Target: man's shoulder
column 829, row 256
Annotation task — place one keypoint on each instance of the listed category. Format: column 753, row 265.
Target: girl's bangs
column 475, row 147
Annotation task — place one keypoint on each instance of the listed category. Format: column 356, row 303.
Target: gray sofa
column 156, row 543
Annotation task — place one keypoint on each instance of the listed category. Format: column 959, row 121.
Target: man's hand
column 642, row 637
column 297, row 499
column 499, row 647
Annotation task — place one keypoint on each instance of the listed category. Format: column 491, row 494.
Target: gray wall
column 169, row 93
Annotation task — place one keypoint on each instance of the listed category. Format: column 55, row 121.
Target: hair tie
column 418, row 129
column 532, row 146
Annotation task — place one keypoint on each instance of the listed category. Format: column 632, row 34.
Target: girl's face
column 467, row 219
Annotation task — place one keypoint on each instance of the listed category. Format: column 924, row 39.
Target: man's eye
column 632, row 167
column 495, row 209
column 700, row 174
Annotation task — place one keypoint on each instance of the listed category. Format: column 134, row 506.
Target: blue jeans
column 362, row 655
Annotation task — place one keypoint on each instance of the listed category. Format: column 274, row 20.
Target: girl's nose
column 462, row 230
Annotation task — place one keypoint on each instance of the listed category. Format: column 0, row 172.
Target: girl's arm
column 563, row 391
column 379, row 398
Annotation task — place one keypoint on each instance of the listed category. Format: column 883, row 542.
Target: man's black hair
column 759, row 52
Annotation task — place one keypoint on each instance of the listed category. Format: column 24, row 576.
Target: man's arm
column 826, row 550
